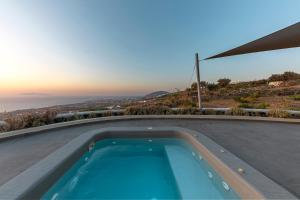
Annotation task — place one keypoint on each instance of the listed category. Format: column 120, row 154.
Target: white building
column 275, row 83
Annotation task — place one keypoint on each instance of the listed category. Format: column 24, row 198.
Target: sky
column 132, row 47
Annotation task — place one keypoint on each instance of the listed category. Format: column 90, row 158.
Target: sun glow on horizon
column 33, row 60
column 29, row 62
column 69, row 47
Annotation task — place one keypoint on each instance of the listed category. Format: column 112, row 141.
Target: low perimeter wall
column 29, row 131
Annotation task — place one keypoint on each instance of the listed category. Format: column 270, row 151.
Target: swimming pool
column 133, row 163
column 141, row 169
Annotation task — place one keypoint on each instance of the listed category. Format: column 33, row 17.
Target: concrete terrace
column 270, row 147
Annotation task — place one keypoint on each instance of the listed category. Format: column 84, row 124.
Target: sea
column 22, row 102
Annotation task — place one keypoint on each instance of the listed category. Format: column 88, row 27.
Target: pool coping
column 40, row 129
column 34, row 181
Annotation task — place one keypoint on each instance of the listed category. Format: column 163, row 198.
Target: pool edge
column 33, row 179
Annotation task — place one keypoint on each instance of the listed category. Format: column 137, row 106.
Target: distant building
column 276, row 83
column 143, row 101
column 235, row 82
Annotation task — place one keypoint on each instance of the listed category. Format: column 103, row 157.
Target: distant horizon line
column 69, row 96
column 134, row 94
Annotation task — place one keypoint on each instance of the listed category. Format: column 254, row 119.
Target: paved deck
column 272, row 148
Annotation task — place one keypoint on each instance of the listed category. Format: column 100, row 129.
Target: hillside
column 279, row 91
column 155, row 94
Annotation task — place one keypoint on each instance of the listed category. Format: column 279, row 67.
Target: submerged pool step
column 192, row 180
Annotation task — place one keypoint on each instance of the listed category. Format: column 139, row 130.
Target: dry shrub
column 4, row 127
column 28, row 120
column 148, row 110
column 187, row 111
column 92, row 115
column 295, row 97
column 237, row 111
column 209, row 112
column 278, row 113
column 14, row 123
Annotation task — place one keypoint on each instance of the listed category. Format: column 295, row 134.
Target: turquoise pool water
column 141, row 169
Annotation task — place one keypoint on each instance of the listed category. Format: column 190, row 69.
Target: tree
column 194, row 86
column 286, row 76
column 203, row 84
column 275, row 77
column 212, row 86
column 223, row 82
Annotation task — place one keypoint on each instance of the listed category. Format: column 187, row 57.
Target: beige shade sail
column 286, row 38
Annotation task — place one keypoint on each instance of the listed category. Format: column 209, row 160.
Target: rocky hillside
column 156, row 94
column 279, row 91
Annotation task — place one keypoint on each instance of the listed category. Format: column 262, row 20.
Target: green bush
column 295, row 97
column 249, row 99
column 245, row 105
column 262, row 105
column 252, row 105
column 212, row 86
column 223, row 82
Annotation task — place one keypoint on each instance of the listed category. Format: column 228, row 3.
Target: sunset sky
column 132, row 47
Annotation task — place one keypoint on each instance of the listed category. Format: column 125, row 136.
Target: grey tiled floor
column 272, row 148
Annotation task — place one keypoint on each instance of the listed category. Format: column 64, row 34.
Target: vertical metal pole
column 198, row 80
